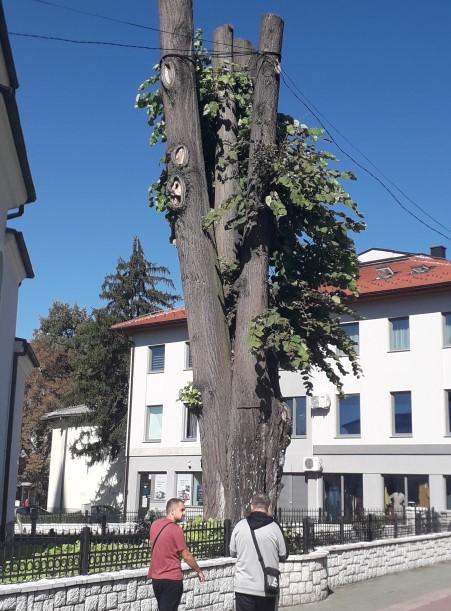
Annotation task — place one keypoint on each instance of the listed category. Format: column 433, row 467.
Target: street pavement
column 426, row 589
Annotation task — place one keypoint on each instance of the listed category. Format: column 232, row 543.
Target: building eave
column 25, row 257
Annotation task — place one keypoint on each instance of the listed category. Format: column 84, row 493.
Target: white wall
column 72, row 482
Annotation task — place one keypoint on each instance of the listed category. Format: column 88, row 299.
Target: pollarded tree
column 262, row 224
column 102, row 365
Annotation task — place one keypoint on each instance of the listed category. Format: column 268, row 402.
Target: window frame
column 293, row 415
column 338, row 403
column 188, row 357
column 390, row 334
column 149, row 361
column 393, row 416
column 146, row 423
column 446, row 344
column 447, row 412
column 185, row 437
column 356, row 345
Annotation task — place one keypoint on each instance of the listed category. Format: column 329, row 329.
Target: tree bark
column 187, row 186
column 227, row 183
column 259, row 426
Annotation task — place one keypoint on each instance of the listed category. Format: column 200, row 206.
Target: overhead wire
column 286, row 79
column 360, row 165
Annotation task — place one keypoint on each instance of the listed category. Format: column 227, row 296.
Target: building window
column 447, row 329
column 448, row 491
column 448, row 411
column 343, row 494
column 297, row 409
column 189, row 489
column 152, row 487
column 349, row 415
column 190, row 425
column 188, row 356
column 154, row 417
column 352, row 331
column 402, row 413
column 399, row 334
column 156, row 358
column 403, row 490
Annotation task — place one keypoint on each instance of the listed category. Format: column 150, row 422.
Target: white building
column 74, row 484
column 391, row 432
column 16, row 357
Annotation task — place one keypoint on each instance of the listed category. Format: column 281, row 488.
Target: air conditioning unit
column 320, row 402
column 312, row 464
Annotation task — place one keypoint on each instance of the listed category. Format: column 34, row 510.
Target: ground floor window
column 189, row 489
column 152, row 488
column 403, row 490
column 293, row 492
column 448, row 491
column 343, row 494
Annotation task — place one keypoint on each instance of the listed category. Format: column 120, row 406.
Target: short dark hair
column 261, row 501
column 172, row 503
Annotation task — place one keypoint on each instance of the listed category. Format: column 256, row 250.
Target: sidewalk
column 425, row 589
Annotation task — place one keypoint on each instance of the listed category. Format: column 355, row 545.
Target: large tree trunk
column 187, row 184
column 259, row 427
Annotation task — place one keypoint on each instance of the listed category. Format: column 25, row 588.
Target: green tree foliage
column 102, row 365
column 313, row 264
column 48, row 388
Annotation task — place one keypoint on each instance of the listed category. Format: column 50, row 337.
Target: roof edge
column 26, row 261
column 5, row 44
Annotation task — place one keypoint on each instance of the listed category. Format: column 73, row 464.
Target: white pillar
column 437, row 492
column 373, row 491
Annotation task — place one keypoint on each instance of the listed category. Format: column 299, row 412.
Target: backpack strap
column 159, row 533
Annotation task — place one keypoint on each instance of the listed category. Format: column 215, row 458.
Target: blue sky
column 379, row 71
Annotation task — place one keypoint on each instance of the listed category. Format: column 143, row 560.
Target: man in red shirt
column 168, row 549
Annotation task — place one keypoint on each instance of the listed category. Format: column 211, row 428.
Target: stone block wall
column 361, row 561
column 305, row 579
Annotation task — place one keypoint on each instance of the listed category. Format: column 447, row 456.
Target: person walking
column 169, row 547
column 258, row 544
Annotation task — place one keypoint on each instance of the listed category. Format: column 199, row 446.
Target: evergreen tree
column 48, row 388
column 102, row 366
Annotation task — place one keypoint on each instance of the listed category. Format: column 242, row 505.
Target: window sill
column 446, row 347
column 156, row 371
column 447, row 435
column 152, row 441
column 400, row 350
column 187, row 369
column 348, row 437
column 189, row 439
column 401, row 436
column 298, row 436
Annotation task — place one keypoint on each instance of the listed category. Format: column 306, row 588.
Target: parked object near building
column 16, row 357
column 389, row 434
column 74, row 485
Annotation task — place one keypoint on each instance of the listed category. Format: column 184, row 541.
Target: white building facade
column 390, row 432
column 16, row 357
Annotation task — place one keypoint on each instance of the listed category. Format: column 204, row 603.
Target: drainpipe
column 127, row 447
column 9, row 437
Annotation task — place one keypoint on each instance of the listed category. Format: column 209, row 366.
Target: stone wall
column 362, row 561
column 304, row 579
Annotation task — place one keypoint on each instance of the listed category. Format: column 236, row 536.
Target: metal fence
column 29, row 557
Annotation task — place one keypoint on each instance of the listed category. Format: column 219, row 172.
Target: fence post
column 417, row 522
column 227, row 536
column 279, row 514
column 306, row 535
column 85, row 541
column 342, row 530
column 33, row 519
column 103, row 524
column 428, row 521
column 395, row 525
column 370, row 534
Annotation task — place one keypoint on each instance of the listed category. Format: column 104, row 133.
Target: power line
column 129, row 23
column 358, row 164
column 412, row 201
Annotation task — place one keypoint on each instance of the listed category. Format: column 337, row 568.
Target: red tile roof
column 370, row 284
column 159, row 318
column 411, row 273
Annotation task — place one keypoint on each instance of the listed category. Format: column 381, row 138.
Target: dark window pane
column 157, row 358
column 191, row 424
column 448, row 491
column 447, row 328
column 449, row 410
column 297, row 409
column 332, row 495
column 402, row 413
column 352, row 331
column 418, row 490
column 349, row 415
